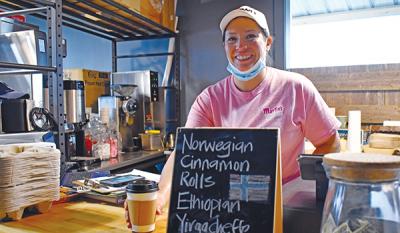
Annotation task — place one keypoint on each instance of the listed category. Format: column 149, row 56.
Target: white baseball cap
column 245, row 11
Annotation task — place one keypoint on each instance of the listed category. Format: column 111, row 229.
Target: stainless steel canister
column 74, row 101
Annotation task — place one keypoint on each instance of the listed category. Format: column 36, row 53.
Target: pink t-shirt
column 285, row 100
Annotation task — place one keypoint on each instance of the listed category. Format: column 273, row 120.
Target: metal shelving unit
column 106, row 19
column 52, row 12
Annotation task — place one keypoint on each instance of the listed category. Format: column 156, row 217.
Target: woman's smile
column 244, row 61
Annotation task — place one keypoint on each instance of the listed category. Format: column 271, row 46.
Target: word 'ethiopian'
column 226, row 147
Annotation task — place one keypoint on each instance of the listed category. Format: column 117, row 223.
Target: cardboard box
column 150, row 9
column 97, row 83
column 168, row 15
column 159, row 11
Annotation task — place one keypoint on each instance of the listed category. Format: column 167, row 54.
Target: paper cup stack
column 29, row 174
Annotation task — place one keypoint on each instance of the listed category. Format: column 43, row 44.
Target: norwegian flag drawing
column 254, row 188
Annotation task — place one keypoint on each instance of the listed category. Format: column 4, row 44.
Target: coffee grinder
column 119, row 111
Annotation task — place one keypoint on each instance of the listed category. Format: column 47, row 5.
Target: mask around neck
column 248, row 74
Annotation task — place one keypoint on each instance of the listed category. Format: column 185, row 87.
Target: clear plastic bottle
column 102, row 149
column 88, row 128
column 113, row 141
column 100, row 139
column 363, row 194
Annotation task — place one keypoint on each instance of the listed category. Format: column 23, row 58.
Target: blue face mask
column 248, row 74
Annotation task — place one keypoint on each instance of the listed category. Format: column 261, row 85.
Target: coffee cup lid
column 142, row 186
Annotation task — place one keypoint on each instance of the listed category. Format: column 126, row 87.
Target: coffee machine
column 119, row 111
column 146, row 95
column 74, row 107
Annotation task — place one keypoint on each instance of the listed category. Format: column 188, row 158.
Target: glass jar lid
column 362, row 167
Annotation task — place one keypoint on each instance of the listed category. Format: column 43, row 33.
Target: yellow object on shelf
column 161, row 12
column 152, row 131
column 97, row 83
column 343, row 145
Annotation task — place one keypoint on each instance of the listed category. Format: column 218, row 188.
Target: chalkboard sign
column 224, row 180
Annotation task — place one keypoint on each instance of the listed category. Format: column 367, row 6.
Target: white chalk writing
column 186, row 200
column 226, row 147
column 190, row 162
column 197, row 181
column 213, row 226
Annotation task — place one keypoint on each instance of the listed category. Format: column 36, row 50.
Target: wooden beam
column 371, row 113
column 392, row 98
column 358, row 98
column 357, row 81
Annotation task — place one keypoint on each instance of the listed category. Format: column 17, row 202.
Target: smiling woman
column 257, row 95
column 254, row 90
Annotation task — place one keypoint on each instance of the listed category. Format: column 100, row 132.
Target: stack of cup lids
column 29, row 175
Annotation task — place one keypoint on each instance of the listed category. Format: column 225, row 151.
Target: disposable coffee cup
column 142, row 199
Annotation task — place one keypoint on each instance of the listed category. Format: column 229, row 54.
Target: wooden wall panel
column 358, row 81
column 372, row 113
column 333, row 99
column 373, row 89
column 392, row 98
column 354, row 98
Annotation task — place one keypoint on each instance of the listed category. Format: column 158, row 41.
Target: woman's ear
column 269, row 42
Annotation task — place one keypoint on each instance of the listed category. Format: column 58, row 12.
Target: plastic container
column 113, row 141
column 100, row 139
column 363, row 193
column 151, row 141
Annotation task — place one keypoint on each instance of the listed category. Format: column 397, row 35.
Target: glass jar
column 363, row 194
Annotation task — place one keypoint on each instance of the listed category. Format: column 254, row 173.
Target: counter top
column 121, row 164
column 124, row 160
column 83, row 216
column 77, row 217
column 129, row 158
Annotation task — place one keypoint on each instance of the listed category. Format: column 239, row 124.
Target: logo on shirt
column 274, row 110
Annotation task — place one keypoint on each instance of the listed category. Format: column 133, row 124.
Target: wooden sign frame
column 226, row 180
